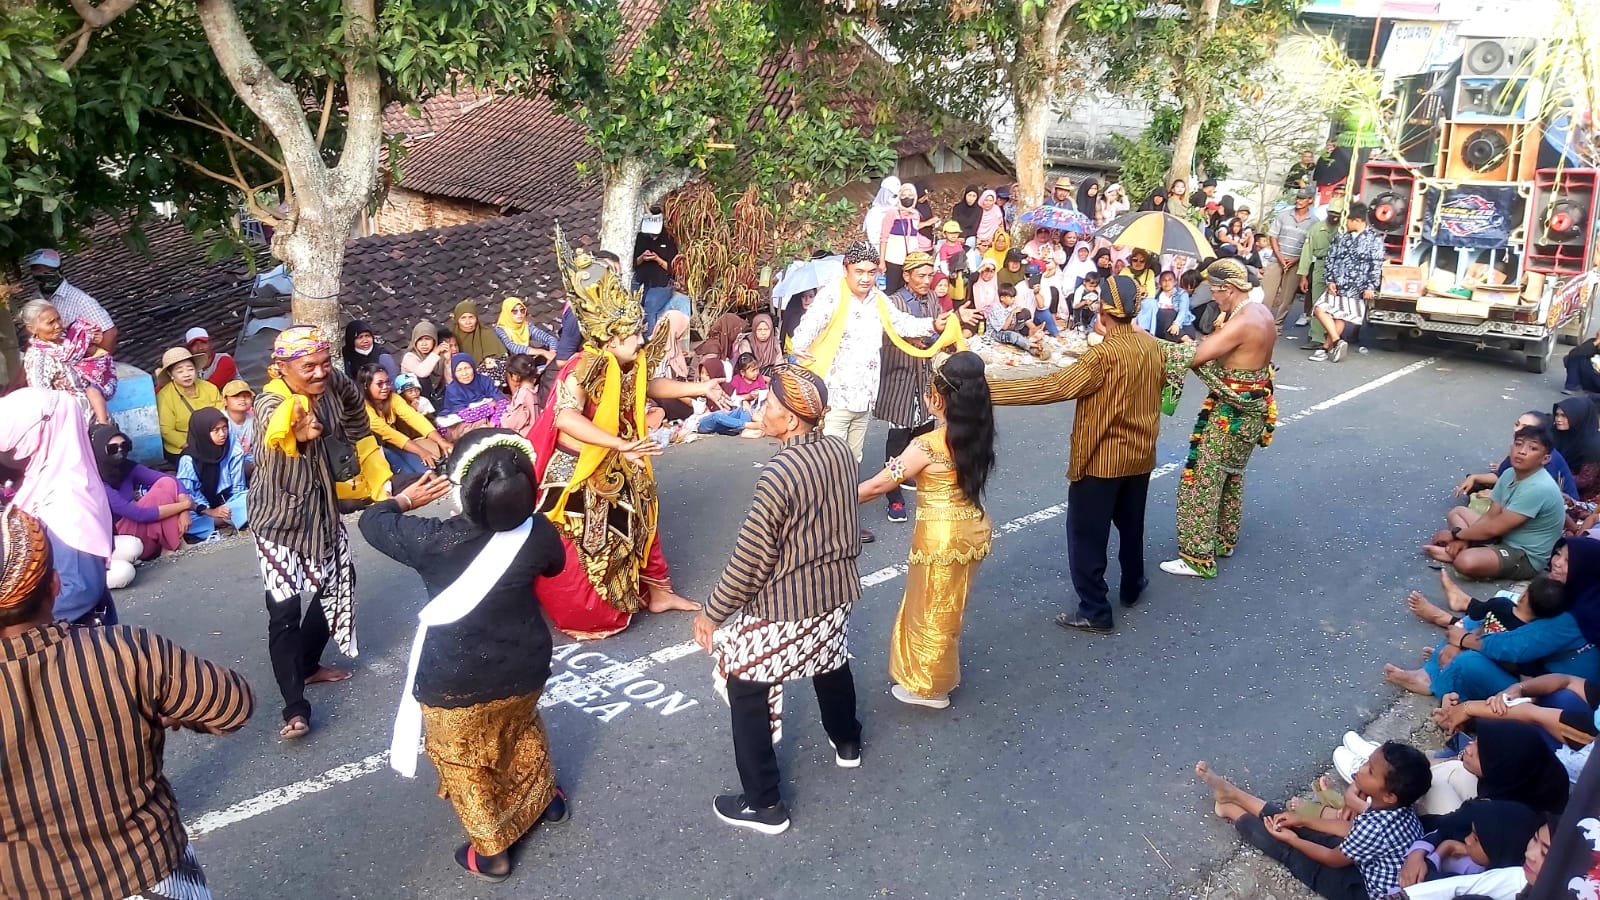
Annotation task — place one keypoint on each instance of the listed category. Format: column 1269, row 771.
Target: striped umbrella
column 1157, row 232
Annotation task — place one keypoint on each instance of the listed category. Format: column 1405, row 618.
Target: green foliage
column 147, row 108
column 1145, row 161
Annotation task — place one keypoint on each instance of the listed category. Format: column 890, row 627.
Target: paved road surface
column 1061, row 770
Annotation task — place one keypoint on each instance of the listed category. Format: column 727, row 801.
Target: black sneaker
column 732, row 809
column 558, row 811
column 897, row 511
column 847, row 755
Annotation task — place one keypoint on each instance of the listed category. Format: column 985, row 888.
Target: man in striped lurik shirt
column 87, row 811
column 785, row 597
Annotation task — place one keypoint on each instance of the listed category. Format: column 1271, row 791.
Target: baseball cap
column 236, row 387
column 1004, row 193
column 195, row 334
column 1306, row 193
column 951, row 226
column 43, row 258
column 406, row 381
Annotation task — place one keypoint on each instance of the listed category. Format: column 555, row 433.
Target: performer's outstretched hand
column 636, row 451
column 704, row 628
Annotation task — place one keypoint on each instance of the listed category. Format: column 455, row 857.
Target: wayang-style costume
column 604, row 506
column 1240, row 414
column 949, row 541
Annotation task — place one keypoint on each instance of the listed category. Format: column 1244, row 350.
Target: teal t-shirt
column 1538, row 498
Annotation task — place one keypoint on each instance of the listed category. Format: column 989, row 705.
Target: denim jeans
column 403, row 461
column 730, row 422
column 1043, row 317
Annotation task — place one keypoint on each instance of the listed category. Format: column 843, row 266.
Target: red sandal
column 468, row 859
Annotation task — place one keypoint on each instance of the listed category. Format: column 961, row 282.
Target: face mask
column 48, row 283
column 907, row 202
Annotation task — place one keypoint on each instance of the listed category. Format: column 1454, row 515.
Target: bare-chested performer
column 1239, row 414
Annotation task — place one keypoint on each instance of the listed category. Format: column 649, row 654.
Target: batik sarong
column 767, row 652
column 1239, row 415
column 332, row 578
column 186, row 881
column 494, row 767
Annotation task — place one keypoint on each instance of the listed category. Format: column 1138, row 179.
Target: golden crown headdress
column 604, row 307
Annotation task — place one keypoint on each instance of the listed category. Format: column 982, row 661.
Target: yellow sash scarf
column 370, row 484
column 826, row 345
column 608, row 418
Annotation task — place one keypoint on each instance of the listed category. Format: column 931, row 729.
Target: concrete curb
column 1248, row 875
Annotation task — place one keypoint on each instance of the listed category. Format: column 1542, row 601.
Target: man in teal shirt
column 1512, row 540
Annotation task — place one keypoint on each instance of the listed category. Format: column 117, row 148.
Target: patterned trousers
column 1211, row 494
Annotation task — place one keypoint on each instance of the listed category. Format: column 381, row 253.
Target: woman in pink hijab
column 42, row 432
column 994, row 218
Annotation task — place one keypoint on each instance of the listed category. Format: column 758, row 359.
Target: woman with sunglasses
column 145, row 504
column 521, row 336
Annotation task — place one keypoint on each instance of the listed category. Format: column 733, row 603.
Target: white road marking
column 623, row 672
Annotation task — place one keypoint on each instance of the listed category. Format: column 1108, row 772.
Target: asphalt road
column 1062, row 769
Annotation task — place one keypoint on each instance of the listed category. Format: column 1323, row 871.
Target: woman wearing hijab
column 1116, row 201
column 471, row 395
column 43, row 430
column 899, row 236
column 1578, row 440
column 1156, row 202
column 967, row 213
column 1480, row 836
column 994, row 218
column 886, row 200
column 1104, row 264
column 716, row 352
column 521, row 336
column 793, row 312
column 762, row 342
column 481, row 655
column 473, row 337
column 212, row 476
column 361, row 347
column 157, row 520
column 422, row 360
column 1513, row 762
column 1079, row 265
column 1089, row 201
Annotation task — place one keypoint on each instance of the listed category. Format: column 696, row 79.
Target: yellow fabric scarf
column 608, row 418
column 826, row 345
column 371, row 484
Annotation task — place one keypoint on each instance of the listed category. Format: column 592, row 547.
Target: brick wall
column 405, row 211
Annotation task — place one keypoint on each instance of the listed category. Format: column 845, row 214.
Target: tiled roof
column 393, row 281
column 516, row 153
column 432, row 115
column 156, row 295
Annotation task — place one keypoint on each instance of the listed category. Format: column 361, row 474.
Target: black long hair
column 969, row 415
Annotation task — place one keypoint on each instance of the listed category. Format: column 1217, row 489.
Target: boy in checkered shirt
column 1355, row 860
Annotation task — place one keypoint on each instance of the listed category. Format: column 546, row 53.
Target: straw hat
column 174, row 356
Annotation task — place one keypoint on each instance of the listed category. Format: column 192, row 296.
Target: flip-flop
column 468, row 859
column 294, row 729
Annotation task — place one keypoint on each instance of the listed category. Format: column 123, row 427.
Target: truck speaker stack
column 1493, row 132
column 1389, row 191
column 1563, row 223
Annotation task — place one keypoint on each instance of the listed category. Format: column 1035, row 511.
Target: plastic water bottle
column 883, row 282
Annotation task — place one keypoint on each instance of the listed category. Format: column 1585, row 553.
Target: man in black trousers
column 1117, row 384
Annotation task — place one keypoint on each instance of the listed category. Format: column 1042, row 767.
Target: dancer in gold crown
column 597, row 486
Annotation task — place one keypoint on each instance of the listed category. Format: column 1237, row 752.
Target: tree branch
column 327, row 111
column 243, row 187
column 221, row 128
column 81, row 39
column 103, row 15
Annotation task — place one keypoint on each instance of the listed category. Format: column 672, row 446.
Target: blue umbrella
column 1059, row 219
column 805, row 275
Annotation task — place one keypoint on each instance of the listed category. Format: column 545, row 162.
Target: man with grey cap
column 1288, row 236
column 71, row 302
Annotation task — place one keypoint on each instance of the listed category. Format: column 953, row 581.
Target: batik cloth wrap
column 288, row 574
column 1240, row 413
column 186, row 882
column 494, row 767
column 949, row 541
column 767, row 652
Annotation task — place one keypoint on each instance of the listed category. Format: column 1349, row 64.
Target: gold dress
column 949, row 540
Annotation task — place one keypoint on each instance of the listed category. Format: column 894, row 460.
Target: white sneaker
column 1339, row 351
column 1347, row 763
column 1180, row 567
column 1319, row 355
column 905, row 696
column 1359, row 745
column 1302, row 322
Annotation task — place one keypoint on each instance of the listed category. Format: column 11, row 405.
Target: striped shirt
column 796, row 552
column 1118, row 388
column 292, row 501
column 85, row 809
column 903, row 378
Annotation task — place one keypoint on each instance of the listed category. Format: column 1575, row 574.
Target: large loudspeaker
column 1420, row 102
column 1497, row 99
column 1562, row 224
column 1498, row 57
column 1389, row 190
column 1489, row 151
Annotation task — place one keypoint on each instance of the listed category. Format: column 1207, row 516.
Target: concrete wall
column 134, row 409
column 1083, row 136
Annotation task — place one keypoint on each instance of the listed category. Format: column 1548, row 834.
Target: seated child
column 746, row 390
column 1040, row 295
column 1337, row 858
column 212, row 476
column 239, row 403
column 411, row 389
column 1167, row 314
column 1086, row 302
column 1007, row 321
column 1544, row 597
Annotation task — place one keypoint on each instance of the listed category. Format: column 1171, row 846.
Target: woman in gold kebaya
column 951, row 465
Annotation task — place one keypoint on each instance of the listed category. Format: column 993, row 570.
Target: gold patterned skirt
column 924, row 655
column 494, row 767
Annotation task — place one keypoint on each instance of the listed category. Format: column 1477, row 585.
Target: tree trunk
column 10, row 353
column 620, row 211
column 1195, row 102
column 314, row 253
column 1033, row 122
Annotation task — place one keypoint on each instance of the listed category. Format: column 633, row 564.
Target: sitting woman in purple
column 145, row 504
